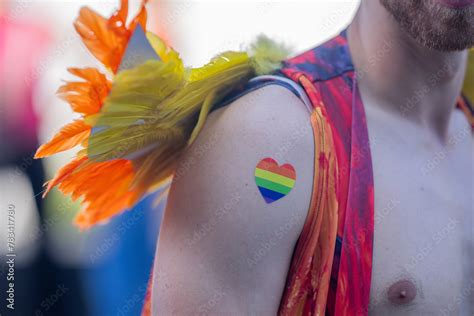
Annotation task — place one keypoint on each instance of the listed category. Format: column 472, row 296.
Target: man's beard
column 433, row 25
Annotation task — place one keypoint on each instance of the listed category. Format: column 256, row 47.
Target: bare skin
column 422, row 153
column 222, row 250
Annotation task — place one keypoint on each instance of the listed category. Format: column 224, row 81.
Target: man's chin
column 442, row 25
column 447, row 48
column 445, row 42
column 445, row 32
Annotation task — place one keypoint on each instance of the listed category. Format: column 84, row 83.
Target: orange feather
column 103, row 186
column 105, row 38
column 63, row 173
column 106, row 188
column 86, row 97
column 105, row 41
column 68, row 137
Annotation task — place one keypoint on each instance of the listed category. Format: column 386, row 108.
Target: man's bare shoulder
column 217, row 217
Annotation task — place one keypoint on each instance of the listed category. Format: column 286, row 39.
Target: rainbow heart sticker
column 273, row 181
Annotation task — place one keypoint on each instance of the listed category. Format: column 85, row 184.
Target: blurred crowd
column 56, row 269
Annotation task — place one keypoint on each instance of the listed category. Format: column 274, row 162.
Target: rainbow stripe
column 273, row 181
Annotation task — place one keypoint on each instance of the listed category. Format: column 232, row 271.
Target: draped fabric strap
column 310, row 271
column 328, row 77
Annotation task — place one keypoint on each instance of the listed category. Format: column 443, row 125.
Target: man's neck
column 401, row 75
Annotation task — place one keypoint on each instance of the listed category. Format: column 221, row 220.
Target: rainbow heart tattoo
column 273, row 181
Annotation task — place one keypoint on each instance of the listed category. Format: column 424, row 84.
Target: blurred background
column 103, row 271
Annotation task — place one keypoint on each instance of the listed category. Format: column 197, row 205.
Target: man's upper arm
column 221, row 246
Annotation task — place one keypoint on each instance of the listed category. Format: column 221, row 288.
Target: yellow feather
column 267, row 54
column 206, row 108
column 158, row 108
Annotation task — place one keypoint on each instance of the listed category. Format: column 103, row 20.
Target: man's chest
column 423, row 232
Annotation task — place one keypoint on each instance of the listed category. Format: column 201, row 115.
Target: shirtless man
column 222, row 251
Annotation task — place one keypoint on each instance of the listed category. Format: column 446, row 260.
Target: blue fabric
column 254, row 84
column 117, row 280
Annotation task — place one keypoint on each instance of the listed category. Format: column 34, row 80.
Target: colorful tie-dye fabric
column 327, row 74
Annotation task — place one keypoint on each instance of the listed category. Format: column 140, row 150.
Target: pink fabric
column 21, row 47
